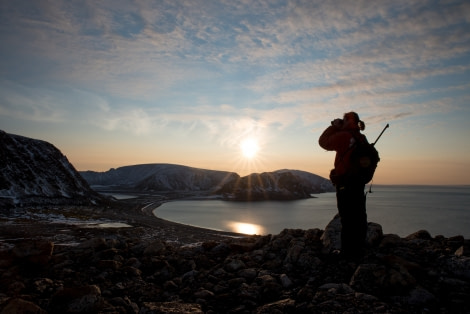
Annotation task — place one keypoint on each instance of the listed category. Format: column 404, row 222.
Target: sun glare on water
column 246, row 228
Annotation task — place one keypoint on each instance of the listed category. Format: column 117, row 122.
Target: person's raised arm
column 328, row 139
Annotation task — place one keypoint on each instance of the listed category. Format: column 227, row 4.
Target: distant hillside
column 278, row 185
column 160, row 177
column 35, row 172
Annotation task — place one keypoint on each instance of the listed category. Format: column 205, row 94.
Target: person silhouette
column 340, row 136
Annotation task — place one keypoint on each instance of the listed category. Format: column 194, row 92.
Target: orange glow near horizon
column 391, row 169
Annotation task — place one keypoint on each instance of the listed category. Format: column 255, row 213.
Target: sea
column 399, row 209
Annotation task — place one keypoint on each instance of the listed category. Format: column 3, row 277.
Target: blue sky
column 114, row 83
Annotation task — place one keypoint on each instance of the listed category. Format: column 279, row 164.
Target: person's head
column 352, row 121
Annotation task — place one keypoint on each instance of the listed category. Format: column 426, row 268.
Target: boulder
column 20, row 306
column 170, row 308
column 36, row 252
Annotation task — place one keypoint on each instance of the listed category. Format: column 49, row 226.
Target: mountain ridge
column 139, row 176
column 283, row 184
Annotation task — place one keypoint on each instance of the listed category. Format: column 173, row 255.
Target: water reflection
column 245, row 228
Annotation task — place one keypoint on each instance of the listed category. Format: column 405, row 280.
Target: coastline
column 159, row 266
column 70, row 230
column 401, row 210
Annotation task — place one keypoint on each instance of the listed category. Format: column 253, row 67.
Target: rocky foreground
column 161, row 267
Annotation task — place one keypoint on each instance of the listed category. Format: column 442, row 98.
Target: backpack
column 363, row 162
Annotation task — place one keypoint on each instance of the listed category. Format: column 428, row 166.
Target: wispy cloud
column 271, row 63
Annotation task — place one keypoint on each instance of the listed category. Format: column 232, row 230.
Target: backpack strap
column 356, row 141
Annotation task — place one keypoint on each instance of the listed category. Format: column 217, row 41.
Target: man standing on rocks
column 340, row 136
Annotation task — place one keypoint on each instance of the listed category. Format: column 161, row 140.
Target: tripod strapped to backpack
column 373, row 145
column 386, row 127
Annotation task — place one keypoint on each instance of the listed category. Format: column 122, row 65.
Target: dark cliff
column 35, row 172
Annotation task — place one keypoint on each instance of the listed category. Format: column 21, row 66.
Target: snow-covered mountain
column 35, row 172
column 278, row 185
column 281, row 184
column 314, row 183
column 160, row 177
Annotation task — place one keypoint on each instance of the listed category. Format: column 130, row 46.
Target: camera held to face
column 337, row 122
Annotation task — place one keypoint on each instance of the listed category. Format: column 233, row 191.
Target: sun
column 249, row 147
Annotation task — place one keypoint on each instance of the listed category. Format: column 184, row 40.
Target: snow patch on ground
column 52, row 216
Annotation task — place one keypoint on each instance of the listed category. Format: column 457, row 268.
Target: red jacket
column 340, row 140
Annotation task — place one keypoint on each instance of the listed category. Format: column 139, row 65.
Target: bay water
column 401, row 210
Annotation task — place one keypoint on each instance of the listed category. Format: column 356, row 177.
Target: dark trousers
column 351, row 201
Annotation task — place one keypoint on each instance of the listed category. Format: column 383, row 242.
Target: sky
column 243, row 86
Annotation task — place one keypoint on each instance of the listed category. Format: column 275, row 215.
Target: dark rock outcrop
column 277, row 185
column 292, row 272
column 35, row 172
